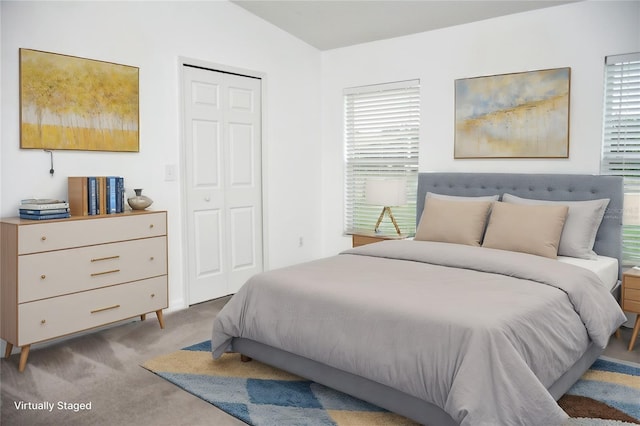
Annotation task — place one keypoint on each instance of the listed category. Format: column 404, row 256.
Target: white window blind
column 382, row 124
column 621, row 135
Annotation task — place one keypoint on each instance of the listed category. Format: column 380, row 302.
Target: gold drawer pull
column 43, row 238
column 153, row 295
column 151, row 226
column 151, row 258
column 105, row 309
column 95, row 274
column 105, row 258
column 43, row 321
column 43, row 276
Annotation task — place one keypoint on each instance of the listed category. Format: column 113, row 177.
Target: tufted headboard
column 556, row 187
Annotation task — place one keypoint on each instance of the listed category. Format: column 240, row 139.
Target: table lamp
column 631, row 211
column 386, row 193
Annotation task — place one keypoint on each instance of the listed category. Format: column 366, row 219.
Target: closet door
column 223, row 158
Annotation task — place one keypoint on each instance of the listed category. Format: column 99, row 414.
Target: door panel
column 205, row 94
column 223, row 180
column 206, row 154
column 241, row 147
column 208, row 250
column 241, row 99
column 243, row 240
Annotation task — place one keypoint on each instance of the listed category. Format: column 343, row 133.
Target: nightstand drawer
column 361, row 240
column 630, row 306
column 632, row 282
column 632, row 294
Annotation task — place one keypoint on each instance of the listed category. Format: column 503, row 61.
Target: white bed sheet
column 606, row 268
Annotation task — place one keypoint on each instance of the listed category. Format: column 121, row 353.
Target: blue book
column 120, row 195
column 93, row 195
column 44, row 216
column 111, row 195
column 106, row 195
column 43, row 212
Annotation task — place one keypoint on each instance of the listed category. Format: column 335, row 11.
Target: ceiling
column 330, row 24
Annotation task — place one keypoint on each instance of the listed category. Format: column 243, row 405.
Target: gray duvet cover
column 479, row 332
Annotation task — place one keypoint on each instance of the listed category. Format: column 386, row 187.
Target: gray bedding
column 480, row 333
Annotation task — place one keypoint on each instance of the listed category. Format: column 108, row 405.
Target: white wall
column 152, row 36
column 578, row 35
column 303, row 129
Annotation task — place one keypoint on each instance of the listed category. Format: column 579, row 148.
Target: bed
column 442, row 332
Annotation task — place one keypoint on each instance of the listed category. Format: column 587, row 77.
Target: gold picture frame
column 518, row 115
column 72, row 103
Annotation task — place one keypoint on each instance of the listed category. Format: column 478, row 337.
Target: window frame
column 381, row 140
column 621, row 137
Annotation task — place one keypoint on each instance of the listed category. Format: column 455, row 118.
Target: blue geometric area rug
column 259, row 395
column 607, row 394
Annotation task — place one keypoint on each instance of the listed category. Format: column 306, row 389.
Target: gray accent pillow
column 533, row 229
column 453, row 221
column 580, row 228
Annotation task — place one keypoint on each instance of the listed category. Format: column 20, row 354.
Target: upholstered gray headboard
column 556, row 187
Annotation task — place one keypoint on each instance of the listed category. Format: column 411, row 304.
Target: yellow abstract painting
column 74, row 103
column 521, row 115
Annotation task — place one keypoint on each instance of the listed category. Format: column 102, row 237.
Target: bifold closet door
column 223, row 159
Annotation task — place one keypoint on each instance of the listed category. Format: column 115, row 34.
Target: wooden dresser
column 63, row 276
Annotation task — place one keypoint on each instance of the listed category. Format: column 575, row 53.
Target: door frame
column 184, row 214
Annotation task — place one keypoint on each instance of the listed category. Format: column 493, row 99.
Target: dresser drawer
column 48, row 274
column 58, row 316
column 40, row 237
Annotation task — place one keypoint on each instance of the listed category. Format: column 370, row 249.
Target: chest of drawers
column 63, row 276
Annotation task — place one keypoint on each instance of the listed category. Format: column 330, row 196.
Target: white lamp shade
column 631, row 212
column 386, row 192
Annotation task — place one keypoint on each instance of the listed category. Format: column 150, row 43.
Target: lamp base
column 393, row 220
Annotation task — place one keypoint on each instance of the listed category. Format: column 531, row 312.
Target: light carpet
column 607, row 395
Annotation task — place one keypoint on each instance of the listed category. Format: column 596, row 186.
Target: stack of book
column 42, row 209
column 95, row 195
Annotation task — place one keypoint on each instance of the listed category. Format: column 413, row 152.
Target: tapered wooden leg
column 24, row 354
column 143, row 317
column 634, row 335
column 393, row 220
column 618, row 333
column 160, row 318
column 7, row 351
column 384, row 209
column 245, row 358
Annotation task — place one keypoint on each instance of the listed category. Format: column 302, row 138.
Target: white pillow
column 580, row 228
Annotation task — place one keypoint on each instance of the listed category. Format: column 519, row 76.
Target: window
column 382, row 124
column 621, row 136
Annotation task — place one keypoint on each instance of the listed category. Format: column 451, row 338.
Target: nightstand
column 631, row 299
column 361, row 238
